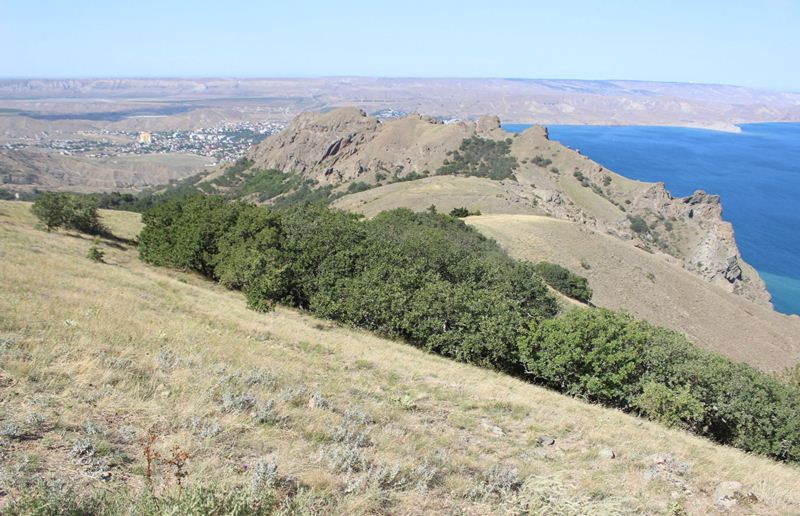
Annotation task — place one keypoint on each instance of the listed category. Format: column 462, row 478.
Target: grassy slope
column 87, row 343
column 623, row 276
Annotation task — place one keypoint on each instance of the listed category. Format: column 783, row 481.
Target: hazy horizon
column 716, row 42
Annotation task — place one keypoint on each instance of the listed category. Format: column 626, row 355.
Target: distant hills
column 548, row 101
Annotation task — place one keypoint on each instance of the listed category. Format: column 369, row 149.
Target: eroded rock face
column 345, row 144
column 707, row 244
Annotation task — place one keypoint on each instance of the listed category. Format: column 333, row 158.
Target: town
column 224, row 142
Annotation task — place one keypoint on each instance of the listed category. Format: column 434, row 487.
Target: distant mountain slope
column 24, row 169
column 240, row 390
column 514, row 100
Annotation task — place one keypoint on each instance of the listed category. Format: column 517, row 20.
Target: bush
column 69, row 211
column 611, row 358
column 481, row 157
column 541, row 161
column 638, row 224
column 566, row 282
column 95, row 254
column 463, row 212
column 593, row 354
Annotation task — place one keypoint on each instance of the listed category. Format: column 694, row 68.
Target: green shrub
column 594, row 354
column 463, row 212
column 566, row 282
column 611, row 358
column 481, row 157
column 541, row 161
column 674, row 407
column 638, row 224
column 358, row 186
column 95, row 254
column 69, row 211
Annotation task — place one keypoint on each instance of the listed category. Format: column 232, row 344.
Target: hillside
column 343, row 147
column 25, row 169
column 194, row 359
column 368, row 166
column 629, row 278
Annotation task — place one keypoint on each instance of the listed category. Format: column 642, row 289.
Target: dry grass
column 105, row 353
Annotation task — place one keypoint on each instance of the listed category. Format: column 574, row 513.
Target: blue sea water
column 757, row 173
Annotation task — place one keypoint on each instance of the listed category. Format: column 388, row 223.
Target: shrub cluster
column 481, row 157
column 424, row 277
column 69, row 211
column 463, row 212
column 611, row 358
column 566, row 282
column 435, row 282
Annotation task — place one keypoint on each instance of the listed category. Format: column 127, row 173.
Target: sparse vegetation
column 91, row 372
column 481, row 157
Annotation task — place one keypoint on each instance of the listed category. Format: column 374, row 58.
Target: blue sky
column 753, row 43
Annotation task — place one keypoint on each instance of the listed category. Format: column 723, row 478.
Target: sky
column 749, row 43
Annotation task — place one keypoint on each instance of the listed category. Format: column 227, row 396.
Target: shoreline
column 723, row 127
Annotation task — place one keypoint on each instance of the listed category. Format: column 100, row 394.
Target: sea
column 756, row 171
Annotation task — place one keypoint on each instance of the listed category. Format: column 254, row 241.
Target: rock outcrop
column 345, row 145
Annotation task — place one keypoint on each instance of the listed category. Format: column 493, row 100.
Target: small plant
column 606, row 180
column 318, row 401
column 166, row 359
column 497, row 482
column 178, row 460
column 151, row 457
column 265, row 475
column 554, row 170
column 265, row 413
column 344, row 459
column 204, row 428
column 237, row 402
column 95, row 254
column 350, row 435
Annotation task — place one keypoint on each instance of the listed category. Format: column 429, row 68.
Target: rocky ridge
column 345, row 145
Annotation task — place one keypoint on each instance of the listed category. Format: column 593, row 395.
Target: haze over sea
column 757, row 173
